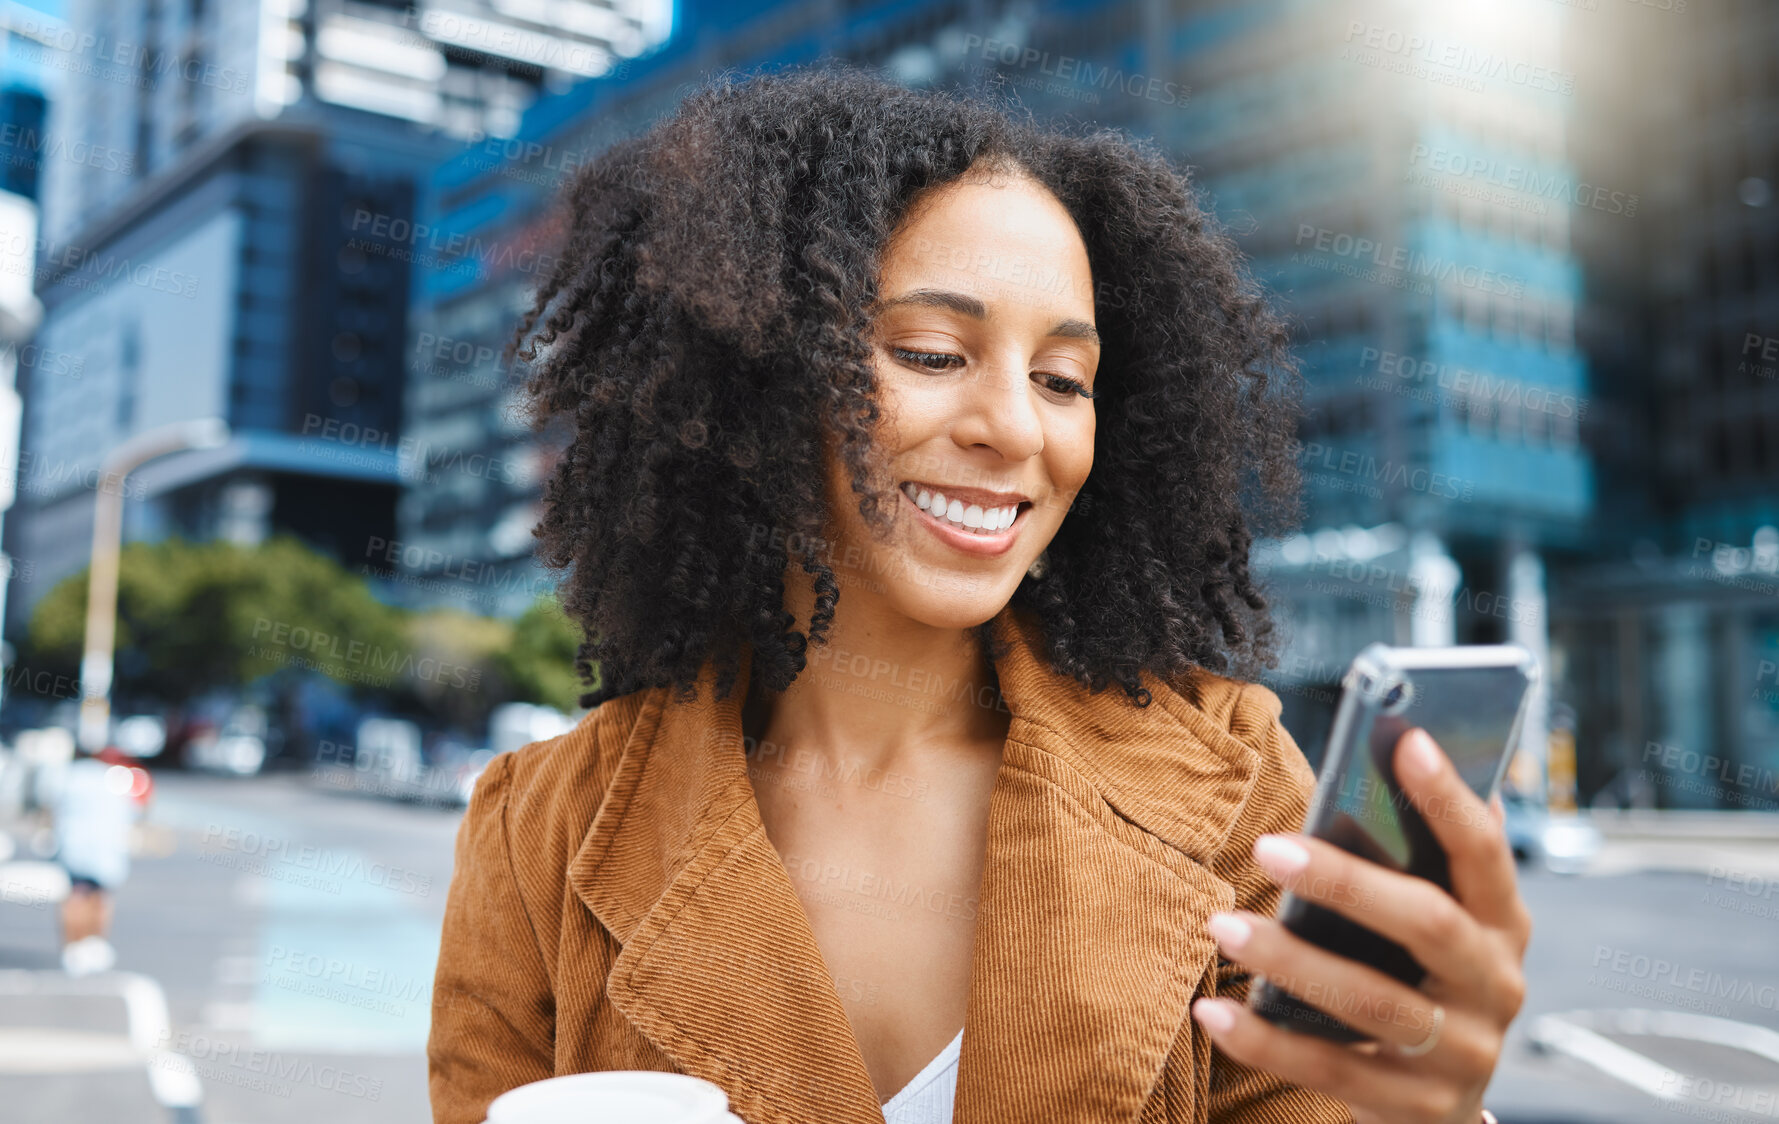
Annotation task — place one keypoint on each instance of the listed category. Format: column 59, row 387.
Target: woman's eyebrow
column 967, row 305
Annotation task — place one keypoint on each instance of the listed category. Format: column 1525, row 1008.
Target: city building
column 1672, row 630
column 230, row 233
column 24, row 100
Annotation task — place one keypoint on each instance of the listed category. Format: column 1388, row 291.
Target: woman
column 898, row 431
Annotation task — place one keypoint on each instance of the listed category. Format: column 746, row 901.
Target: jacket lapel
column 1090, row 938
column 718, row 965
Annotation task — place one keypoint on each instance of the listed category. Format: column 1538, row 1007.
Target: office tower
column 247, row 254
column 1672, row 633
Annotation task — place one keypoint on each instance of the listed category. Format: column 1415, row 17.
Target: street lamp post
column 108, row 526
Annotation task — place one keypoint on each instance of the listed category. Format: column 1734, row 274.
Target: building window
column 128, row 368
column 1537, row 428
column 1565, row 430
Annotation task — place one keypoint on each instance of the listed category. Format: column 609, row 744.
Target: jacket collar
column 1082, row 971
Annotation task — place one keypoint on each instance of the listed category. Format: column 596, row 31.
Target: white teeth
column 974, row 517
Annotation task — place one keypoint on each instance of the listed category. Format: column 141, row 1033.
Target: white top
column 93, row 817
column 927, row 1098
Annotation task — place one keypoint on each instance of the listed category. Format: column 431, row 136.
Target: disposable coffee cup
column 614, row 1097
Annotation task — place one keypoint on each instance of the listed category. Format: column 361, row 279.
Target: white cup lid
column 614, row 1097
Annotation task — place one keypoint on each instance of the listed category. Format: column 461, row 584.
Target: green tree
column 193, row 617
column 538, row 662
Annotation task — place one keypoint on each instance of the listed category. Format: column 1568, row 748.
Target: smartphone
column 1473, row 700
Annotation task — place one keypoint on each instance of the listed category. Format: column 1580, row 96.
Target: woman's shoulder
column 1249, row 711
column 554, row 787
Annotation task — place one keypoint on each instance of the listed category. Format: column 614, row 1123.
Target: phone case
column 1473, row 700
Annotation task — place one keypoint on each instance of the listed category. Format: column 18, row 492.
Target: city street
column 294, row 930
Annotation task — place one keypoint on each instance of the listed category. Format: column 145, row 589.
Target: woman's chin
column 953, row 599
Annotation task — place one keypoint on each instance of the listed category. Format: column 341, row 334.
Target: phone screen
column 1473, row 713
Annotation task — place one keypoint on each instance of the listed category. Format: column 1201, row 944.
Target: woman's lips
column 970, row 542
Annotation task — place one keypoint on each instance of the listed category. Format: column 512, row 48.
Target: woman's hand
column 1471, row 942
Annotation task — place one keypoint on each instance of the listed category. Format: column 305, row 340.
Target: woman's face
column 984, row 333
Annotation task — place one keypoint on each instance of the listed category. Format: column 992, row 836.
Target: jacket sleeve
column 493, row 1007
column 1239, row 1094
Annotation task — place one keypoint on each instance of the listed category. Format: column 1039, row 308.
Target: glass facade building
column 236, row 239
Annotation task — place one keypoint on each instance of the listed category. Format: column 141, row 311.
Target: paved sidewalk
column 108, row 1032
column 1729, row 845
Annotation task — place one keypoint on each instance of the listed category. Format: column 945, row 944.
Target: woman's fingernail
column 1280, row 856
column 1231, row 931
column 1214, row 1016
column 1422, row 754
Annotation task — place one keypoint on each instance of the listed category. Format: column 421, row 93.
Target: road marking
column 1558, row 1034
column 1579, row 1034
column 38, row 1050
column 1701, row 1028
column 30, row 883
column 171, row 1075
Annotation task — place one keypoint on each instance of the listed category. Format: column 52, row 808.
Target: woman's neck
column 888, row 695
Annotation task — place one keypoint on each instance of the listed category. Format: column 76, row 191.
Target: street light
column 101, row 590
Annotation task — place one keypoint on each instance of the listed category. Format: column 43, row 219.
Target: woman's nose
column 996, row 409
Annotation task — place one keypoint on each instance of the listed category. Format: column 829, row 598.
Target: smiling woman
column 898, row 430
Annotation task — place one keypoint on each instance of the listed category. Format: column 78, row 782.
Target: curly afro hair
column 706, row 328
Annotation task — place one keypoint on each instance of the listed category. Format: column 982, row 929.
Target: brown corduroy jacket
column 617, row 905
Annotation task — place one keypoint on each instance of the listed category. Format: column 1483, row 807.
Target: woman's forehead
column 1001, row 245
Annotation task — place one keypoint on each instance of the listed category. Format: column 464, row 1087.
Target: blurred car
column 1524, row 826
column 234, row 747
column 512, row 726
column 140, row 735
column 1563, row 842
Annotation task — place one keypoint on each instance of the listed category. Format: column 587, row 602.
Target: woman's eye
column 932, row 360
column 945, row 361
column 1062, row 384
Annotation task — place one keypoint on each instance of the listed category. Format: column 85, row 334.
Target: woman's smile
column 971, row 528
